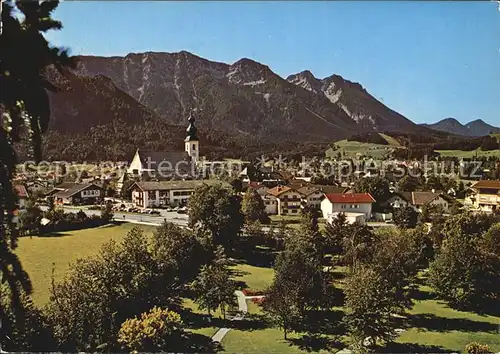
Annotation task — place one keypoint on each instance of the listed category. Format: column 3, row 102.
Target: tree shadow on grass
column 315, row 343
column 422, row 295
column 323, row 322
column 195, row 343
column 251, row 322
column 199, row 320
column 435, row 323
column 412, row 348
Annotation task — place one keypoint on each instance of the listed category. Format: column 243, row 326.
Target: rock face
column 354, row 101
column 474, row 128
column 245, row 98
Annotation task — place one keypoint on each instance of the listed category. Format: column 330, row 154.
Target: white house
column 487, row 195
column 77, row 193
column 270, row 204
column 164, row 193
column 419, row 199
column 311, row 196
column 347, row 203
column 288, row 200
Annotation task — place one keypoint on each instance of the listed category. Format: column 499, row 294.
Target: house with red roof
column 352, row 204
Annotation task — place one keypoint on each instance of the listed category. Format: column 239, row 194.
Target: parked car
column 155, row 212
column 175, row 208
column 169, row 209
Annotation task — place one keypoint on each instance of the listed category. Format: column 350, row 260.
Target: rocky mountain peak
column 306, row 80
column 248, row 72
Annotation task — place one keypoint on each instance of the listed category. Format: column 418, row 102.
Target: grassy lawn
column 434, row 323
column 353, row 148
column 208, row 330
column 431, row 324
column 254, row 277
column 39, row 255
column 468, row 154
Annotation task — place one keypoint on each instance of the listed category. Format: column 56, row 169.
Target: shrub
column 151, row 331
column 476, row 348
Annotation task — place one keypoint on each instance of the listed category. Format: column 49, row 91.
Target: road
column 173, row 217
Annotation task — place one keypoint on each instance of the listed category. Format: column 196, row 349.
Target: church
column 168, row 165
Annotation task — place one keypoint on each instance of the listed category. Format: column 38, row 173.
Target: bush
column 152, row 331
column 476, row 348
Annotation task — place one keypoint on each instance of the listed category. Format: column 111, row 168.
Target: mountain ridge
column 474, row 128
column 243, row 102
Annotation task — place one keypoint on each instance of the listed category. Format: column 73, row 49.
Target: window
column 90, row 193
column 194, row 146
column 294, row 211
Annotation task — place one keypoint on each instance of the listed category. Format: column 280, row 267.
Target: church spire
column 192, row 131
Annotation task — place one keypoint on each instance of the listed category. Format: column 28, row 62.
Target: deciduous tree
column 217, row 210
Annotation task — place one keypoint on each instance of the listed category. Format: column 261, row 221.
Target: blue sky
column 427, row 60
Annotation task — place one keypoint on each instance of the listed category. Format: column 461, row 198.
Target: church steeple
column 192, row 143
column 192, row 131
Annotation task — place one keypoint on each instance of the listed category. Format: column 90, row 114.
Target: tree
column 369, row 304
column 408, row 184
column 29, row 219
column 299, row 267
column 357, row 245
column 396, row 258
column 107, row 212
column 253, row 207
column 281, row 305
column 491, row 240
column 378, row 187
column 216, row 210
column 125, row 192
column 406, row 218
column 99, row 293
column 181, row 249
column 152, row 332
column 25, row 111
column 213, row 286
column 335, row 232
column 464, row 274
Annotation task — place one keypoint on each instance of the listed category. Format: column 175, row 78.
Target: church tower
column 192, row 143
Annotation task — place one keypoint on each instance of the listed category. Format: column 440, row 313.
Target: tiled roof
column 155, row 158
column 421, row 198
column 168, row 185
column 75, row 188
column 350, row 198
column 307, row 190
column 276, row 191
column 329, row 189
column 493, row 184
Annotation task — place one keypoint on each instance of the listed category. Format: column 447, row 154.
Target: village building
column 288, row 200
column 77, row 193
column 418, row 199
column 357, row 206
column 311, row 196
column 168, row 164
column 487, row 195
column 151, row 194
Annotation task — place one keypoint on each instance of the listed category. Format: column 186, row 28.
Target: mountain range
column 144, row 99
column 474, row 128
